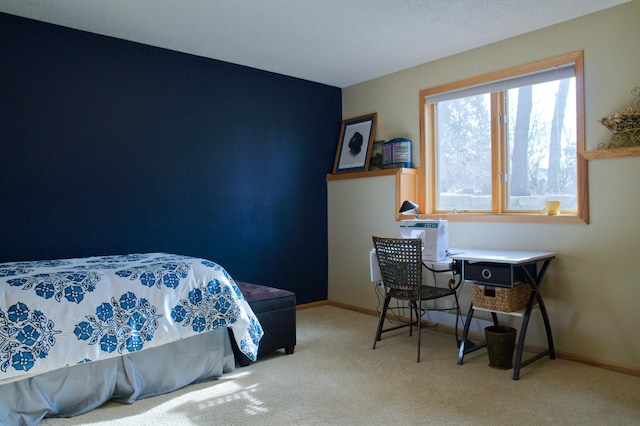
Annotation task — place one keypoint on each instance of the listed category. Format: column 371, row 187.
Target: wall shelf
column 600, row 154
column 372, row 173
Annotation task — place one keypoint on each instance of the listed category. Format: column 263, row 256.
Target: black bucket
column 501, row 341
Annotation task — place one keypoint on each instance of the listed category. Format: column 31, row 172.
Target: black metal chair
column 400, row 261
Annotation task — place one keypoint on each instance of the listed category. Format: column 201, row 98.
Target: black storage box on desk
column 499, row 287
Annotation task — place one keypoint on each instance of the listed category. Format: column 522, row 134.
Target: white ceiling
column 335, row 42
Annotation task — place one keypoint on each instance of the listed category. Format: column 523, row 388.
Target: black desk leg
column 466, row 345
column 547, row 326
column 535, row 295
column 543, row 309
column 465, row 335
column 521, row 338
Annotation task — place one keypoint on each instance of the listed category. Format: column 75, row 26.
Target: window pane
column 463, row 154
column 541, row 142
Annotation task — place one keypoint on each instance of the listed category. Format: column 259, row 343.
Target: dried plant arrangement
column 624, row 124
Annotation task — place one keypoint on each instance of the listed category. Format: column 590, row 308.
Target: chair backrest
column 400, row 261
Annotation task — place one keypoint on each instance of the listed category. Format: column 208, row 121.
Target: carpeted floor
column 334, row 377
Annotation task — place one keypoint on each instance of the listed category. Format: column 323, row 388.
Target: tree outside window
column 507, row 142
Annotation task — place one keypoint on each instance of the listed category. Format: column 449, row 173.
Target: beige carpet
column 335, row 378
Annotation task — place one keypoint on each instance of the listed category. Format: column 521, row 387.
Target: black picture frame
column 354, row 144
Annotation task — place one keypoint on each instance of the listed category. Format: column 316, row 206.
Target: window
column 506, row 142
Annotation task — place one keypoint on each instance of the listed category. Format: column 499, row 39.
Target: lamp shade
column 408, row 206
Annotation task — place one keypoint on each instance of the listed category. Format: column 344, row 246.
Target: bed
column 75, row 333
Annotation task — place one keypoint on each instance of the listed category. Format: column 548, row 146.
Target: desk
column 529, row 266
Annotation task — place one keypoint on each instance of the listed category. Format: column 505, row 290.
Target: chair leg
column 383, row 315
column 419, row 320
column 411, row 308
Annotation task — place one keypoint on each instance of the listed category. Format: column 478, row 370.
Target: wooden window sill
column 507, row 218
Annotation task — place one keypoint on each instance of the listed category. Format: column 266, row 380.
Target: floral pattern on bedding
column 64, row 312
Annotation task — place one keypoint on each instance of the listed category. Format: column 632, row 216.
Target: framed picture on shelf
column 376, row 156
column 355, row 144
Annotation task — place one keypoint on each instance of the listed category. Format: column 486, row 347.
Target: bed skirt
column 75, row 390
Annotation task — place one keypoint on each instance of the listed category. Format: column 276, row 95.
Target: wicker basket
column 503, row 299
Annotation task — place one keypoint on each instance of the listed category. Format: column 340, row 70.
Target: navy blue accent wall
column 109, row 147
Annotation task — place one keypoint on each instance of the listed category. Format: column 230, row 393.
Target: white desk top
column 499, row 256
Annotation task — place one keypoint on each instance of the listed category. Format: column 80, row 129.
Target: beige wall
column 592, row 289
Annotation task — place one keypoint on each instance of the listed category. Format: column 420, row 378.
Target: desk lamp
column 407, row 207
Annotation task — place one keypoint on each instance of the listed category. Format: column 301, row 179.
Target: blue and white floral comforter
column 59, row 313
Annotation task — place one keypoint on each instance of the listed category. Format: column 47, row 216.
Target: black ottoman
column 276, row 310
